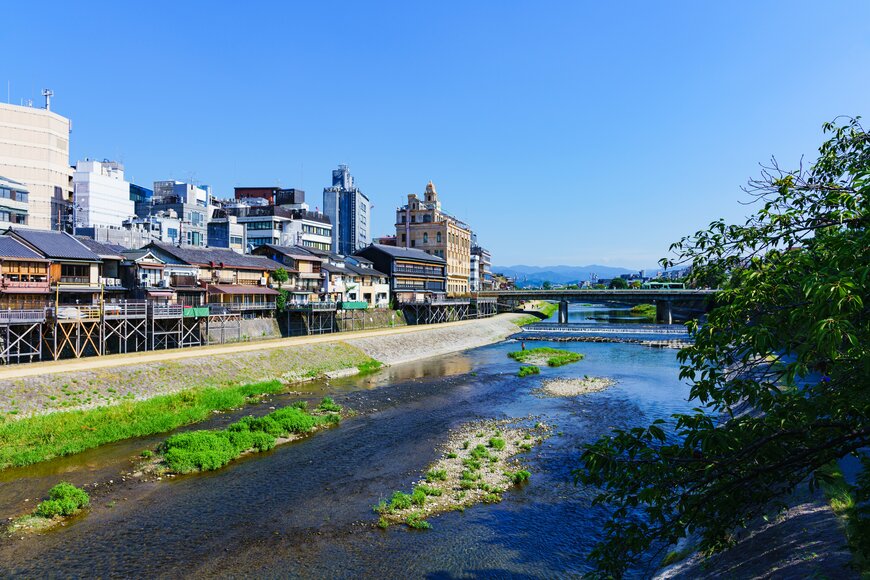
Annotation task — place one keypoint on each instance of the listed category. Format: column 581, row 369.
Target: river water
column 305, row 509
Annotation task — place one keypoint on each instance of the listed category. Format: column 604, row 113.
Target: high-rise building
column 350, row 212
column 423, row 225
column 101, row 195
column 34, row 151
column 480, row 278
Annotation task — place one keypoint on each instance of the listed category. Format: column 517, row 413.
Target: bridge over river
column 689, row 302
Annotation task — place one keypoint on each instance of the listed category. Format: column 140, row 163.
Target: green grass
column 329, row 405
column 647, row 311
column 555, row 357
column 369, row 366
column 519, row 477
column 206, row 450
column 528, row 370
column 64, row 499
column 547, row 309
column 34, row 439
column 416, row 521
column 436, row 475
column 497, row 443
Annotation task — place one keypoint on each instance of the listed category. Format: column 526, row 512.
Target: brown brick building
column 421, row 224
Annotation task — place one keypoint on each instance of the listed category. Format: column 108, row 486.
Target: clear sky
column 563, row 132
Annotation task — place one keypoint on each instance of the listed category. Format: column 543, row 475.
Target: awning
column 239, row 289
column 159, row 293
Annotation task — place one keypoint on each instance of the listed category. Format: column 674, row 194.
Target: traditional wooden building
column 414, row 275
column 24, row 276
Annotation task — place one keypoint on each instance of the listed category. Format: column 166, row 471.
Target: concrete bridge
column 687, row 302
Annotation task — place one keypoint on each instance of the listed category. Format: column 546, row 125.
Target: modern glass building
column 349, row 210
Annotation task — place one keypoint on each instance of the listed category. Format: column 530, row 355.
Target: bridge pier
column 664, row 312
column 563, row 312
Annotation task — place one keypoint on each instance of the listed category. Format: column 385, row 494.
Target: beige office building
column 34, row 150
column 423, row 225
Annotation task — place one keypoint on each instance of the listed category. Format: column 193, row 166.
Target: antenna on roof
column 47, row 93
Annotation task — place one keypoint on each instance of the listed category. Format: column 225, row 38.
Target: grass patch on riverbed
column 647, row 311
column 528, row 370
column 553, row 357
column 34, row 439
column 473, row 469
column 64, row 500
column 207, row 450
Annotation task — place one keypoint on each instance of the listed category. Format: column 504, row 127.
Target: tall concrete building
column 101, row 195
column 350, row 212
column 34, row 151
column 423, row 225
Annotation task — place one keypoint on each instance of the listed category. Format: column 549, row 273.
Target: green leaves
column 780, row 367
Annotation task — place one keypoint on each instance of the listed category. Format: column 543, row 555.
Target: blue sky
column 564, row 133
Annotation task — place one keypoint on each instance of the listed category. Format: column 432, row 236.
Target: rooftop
column 12, row 248
column 57, row 245
column 408, row 253
column 215, row 256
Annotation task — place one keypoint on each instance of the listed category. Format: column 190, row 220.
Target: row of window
column 13, row 217
column 12, row 194
column 315, row 230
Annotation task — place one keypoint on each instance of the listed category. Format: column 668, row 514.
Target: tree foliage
column 618, row 284
column 280, row 275
column 780, row 369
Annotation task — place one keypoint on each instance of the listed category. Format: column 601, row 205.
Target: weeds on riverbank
column 547, row 309
column 842, row 498
column 208, row 450
column 369, row 366
column 554, row 357
column 473, row 469
column 43, row 437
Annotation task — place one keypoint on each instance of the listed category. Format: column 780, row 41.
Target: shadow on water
column 304, row 509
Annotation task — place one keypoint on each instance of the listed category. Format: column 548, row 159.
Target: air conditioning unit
column 163, row 283
column 263, row 281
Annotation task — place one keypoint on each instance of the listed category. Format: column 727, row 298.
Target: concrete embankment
column 87, row 383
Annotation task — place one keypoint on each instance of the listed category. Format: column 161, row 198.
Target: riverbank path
column 120, row 360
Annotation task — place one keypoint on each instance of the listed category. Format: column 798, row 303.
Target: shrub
column 479, row 452
column 64, row 499
column 146, row 453
column 497, row 443
column 198, row 450
column 400, row 501
column 329, row 405
column 528, row 370
column 491, row 498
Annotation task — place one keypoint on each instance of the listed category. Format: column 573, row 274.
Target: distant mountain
column 537, row 275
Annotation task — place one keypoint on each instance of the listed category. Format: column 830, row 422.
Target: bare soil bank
column 87, row 383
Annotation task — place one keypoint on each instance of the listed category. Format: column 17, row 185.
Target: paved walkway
column 120, row 360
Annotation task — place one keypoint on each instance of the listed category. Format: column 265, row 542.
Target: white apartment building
column 101, row 195
column 34, row 151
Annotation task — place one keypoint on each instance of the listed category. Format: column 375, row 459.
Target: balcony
column 75, row 280
column 182, row 281
column 8, row 285
column 228, row 307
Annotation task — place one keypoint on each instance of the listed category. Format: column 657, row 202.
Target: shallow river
column 305, row 509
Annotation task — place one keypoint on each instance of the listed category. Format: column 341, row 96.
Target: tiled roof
column 365, row 271
column 207, row 256
column 408, row 253
column 12, row 248
column 294, row 252
column 57, row 245
column 111, row 251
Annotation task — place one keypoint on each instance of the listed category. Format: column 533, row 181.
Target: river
column 305, row 509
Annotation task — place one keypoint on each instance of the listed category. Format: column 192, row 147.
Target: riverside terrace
column 670, row 304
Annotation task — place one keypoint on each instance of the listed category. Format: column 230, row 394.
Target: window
column 438, row 237
column 425, row 238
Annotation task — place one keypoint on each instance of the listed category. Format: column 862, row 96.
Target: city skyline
column 619, row 149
